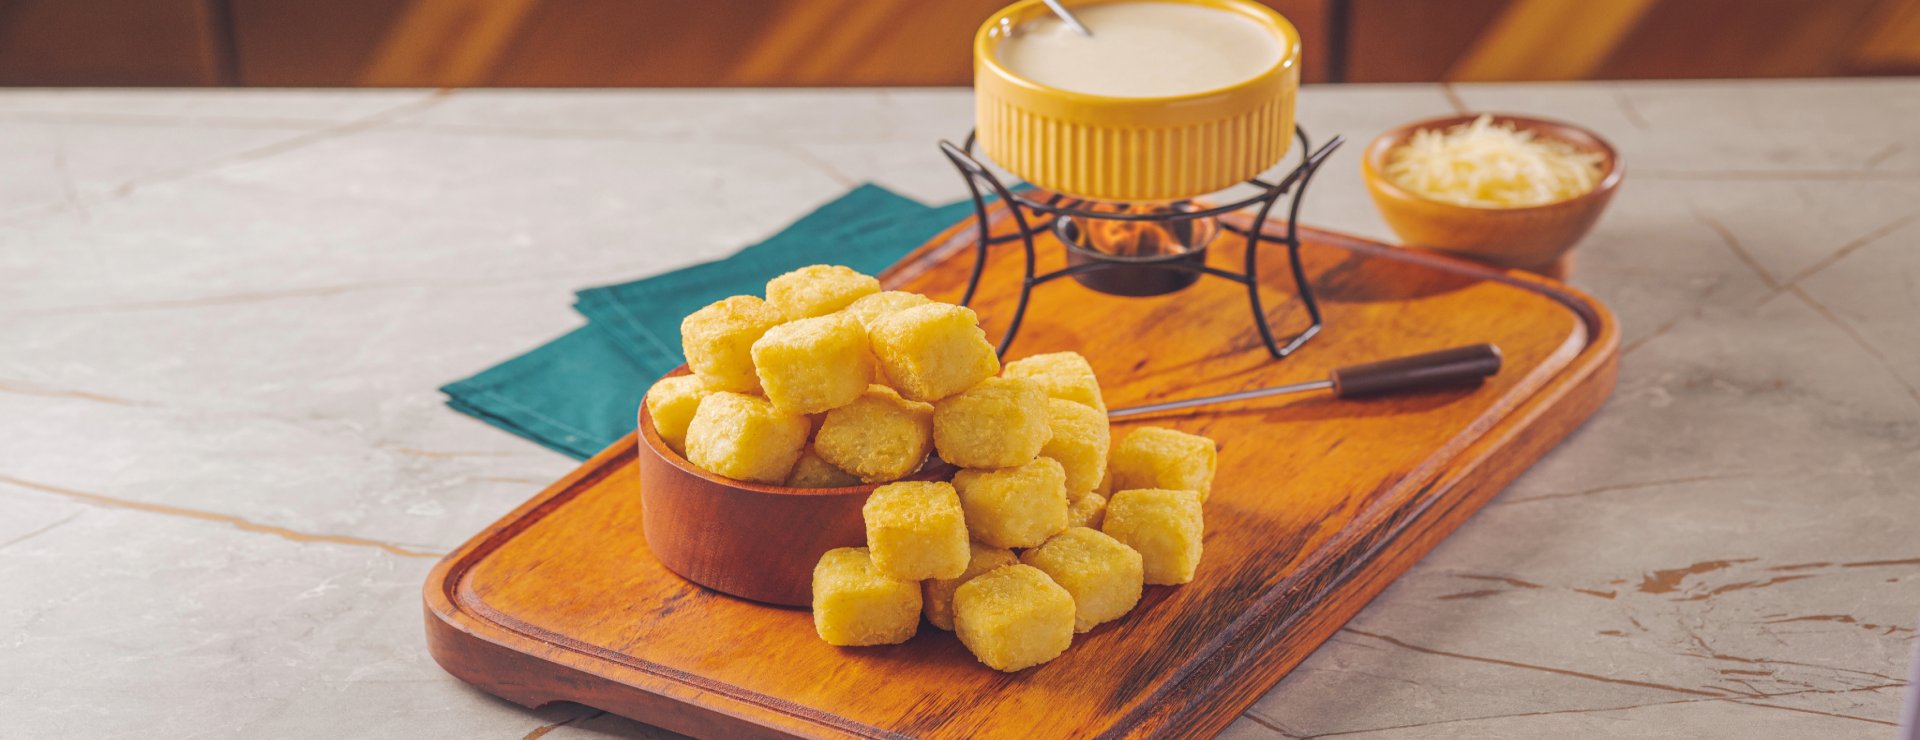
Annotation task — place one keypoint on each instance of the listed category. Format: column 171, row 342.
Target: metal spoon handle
column 1072, row 22
column 1312, row 385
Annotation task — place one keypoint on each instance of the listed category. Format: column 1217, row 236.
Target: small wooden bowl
column 1528, row 237
column 749, row 540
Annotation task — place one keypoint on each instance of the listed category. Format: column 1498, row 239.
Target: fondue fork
column 1072, row 22
column 1448, row 367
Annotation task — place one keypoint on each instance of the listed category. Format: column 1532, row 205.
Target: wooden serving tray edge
column 524, row 665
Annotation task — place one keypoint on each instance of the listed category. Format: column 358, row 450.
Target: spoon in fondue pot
column 1061, row 10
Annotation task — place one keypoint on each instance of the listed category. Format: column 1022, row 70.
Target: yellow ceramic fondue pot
column 1147, row 148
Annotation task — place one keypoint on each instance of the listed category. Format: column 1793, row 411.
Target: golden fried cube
column 916, row 530
column 1104, row 576
column 854, row 603
column 718, row 340
column 1153, row 457
column 671, row 402
column 1014, row 507
column 745, row 437
column 1080, row 441
column 1013, row 617
column 879, row 437
column 936, row 594
column 1063, row 375
column 1087, row 511
column 884, row 303
column 933, row 351
column 818, row 290
column 1163, row 525
column 811, row 365
column 812, row 472
column 1000, row 423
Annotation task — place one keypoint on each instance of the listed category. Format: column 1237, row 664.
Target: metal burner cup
column 1138, row 258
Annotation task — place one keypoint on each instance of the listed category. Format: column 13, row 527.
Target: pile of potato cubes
column 1047, row 530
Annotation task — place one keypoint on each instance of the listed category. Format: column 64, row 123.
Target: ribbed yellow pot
column 1132, row 149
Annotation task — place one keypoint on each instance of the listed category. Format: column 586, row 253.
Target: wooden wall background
column 439, row 43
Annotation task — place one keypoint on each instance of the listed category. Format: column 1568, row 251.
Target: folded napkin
column 580, row 392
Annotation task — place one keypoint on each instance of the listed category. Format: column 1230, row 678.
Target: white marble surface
column 224, row 469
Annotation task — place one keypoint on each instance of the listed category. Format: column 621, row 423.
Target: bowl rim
column 650, row 438
column 1372, row 161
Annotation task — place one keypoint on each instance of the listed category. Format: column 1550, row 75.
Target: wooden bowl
column 1528, row 237
column 749, row 540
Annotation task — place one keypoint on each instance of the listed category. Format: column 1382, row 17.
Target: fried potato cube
column 811, row 365
column 671, row 402
column 818, row 290
column 1014, row 507
column 745, row 437
column 884, row 303
column 933, row 351
column 1000, row 423
column 1062, row 375
column 1080, row 441
column 1104, row 576
column 812, row 472
column 1164, row 526
column 718, row 340
column 1088, row 511
column 1153, row 457
column 1013, row 617
column 916, row 530
column 879, row 437
column 936, row 594
column 854, row 603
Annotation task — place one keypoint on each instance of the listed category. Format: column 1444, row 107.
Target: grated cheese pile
column 1490, row 165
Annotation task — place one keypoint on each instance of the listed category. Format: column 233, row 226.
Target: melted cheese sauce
column 1141, row 49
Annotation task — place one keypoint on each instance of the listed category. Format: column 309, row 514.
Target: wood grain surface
column 1318, row 505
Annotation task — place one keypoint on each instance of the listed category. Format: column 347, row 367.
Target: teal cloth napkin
column 581, row 392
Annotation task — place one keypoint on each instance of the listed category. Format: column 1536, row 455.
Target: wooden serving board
column 1318, row 505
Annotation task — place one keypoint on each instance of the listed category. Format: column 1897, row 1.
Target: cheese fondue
column 1141, row 49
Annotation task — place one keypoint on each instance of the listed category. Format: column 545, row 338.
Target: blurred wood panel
column 1549, row 40
column 631, row 43
column 862, row 43
column 676, row 43
column 1401, row 41
column 1891, row 44
column 1404, row 41
column 112, row 42
column 1742, row 38
column 454, row 42
column 564, row 43
column 302, row 43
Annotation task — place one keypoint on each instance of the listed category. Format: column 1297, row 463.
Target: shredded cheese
column 1490, row 165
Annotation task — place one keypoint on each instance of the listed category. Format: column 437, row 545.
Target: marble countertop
column 225, row 470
